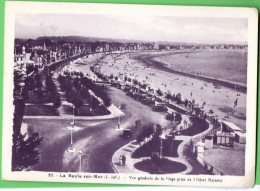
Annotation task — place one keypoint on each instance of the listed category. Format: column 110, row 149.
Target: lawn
column 198, row 126
column 164, row 166
column 40, row 110
column 37, row 98
column 85, row 110
column 170, row 148
column 97, row 111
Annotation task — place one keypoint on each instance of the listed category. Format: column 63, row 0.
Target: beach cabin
column 240, row 137
column 229, row 133
column 200, row 147
column 225, row 139
column 138, row 124
column 229, row 127
column 208, row 142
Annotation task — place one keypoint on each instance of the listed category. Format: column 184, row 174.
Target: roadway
column 97, row 139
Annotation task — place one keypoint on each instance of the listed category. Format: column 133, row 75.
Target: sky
column 148, row 28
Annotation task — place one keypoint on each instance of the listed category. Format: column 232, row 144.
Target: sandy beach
column 221, row 101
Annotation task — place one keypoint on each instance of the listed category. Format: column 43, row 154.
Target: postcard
column 130, row 94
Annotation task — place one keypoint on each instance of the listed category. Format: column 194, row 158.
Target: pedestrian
column 120, row 160
column 123, row 160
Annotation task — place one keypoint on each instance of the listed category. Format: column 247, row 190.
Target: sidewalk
column 126, row 150
column 129, row 149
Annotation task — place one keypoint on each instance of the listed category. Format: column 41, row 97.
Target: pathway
column 128, row 149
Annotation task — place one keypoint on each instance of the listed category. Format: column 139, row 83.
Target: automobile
column 160, row 108
column 127, row 133
column 170, row 135
column 147, row 102
column 211, row 111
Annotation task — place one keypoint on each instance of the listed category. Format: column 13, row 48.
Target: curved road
column 98, row 141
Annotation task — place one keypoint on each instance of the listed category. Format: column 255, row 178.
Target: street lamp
column 118, row 125
column 80, row 159
column 71, row 148
column 73, row 117
column 161, row 147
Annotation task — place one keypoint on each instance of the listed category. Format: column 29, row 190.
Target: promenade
column 184, row 157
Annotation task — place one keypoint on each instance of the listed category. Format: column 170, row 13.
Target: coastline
column 161, row 66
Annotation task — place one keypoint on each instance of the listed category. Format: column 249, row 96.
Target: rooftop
column 232, row 126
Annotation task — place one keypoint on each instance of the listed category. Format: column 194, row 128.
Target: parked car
column 127, row 133
column 211, row 111
column 159, row 108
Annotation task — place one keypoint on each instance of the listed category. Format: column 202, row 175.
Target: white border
column 13, row 8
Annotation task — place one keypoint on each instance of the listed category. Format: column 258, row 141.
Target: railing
column 199, row 158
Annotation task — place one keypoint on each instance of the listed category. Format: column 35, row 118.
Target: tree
column 143, row 85
column 84, row 93
column 178, row 117
column 135, row 82
column 65, row 83
column 178, row 98
column 30, row 83
column 87, row 83
column 186, row 101
column 155, row 141
column 168, row 96
column 19, row 107
column 169, row 117
column 77, row 84
column 148, row 130
column 25, row 152
column 74, row 97
column 56, row 100
column 140, row 137
column 38, row 81
column 159, row 92
column 49, row 84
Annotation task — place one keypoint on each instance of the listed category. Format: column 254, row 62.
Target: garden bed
column 164, row 166
column 170, row 148
column 198, row 126
column 85, row 110
column 40, row 110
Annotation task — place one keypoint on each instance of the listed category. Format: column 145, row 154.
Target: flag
column 235, row 103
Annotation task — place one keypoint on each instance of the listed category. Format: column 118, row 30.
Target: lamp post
column 80, row 158
column 161, row 147
column 117, row 128
column 71, row 148
column 73, row 117
column 118, row 124
column 71, row 139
